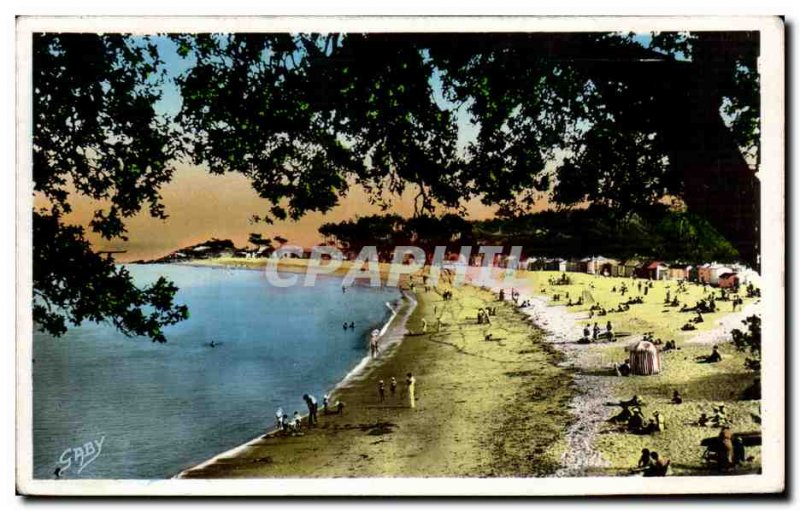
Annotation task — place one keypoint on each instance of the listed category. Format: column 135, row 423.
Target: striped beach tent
column 644, row 358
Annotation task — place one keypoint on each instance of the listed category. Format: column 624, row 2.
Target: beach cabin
column 710, row 273
column 644, row 358
column 729, row 280
column 704, row 274
column 718, row 270
column 557, row 264
column 573, row 265
column 654, row 270
column 629, row 268
column 607, row 267
column 679, row 271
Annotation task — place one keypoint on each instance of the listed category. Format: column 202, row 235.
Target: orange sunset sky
column 201, row 206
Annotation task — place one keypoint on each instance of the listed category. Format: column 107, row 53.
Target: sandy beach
column 476, row 402
column 594, row 447
column 530, row 402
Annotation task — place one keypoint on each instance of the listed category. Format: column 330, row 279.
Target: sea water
column 113, row 407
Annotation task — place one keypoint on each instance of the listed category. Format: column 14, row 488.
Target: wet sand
column 483, row 408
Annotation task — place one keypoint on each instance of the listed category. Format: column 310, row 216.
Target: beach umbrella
column 644, row 358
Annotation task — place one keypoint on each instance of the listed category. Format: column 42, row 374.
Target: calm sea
column 161, row 408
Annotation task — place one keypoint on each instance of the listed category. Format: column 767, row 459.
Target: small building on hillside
column 654, row 270
column 729, row 280
column 679, row 271
column 710, row 273
column 573, row 265
column 629, row 268
column 556, row 264
column 606, row 266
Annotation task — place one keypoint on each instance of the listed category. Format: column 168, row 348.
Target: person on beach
column 676, row 397
column 624, row 369
column 279, row 418
column 296, row 422
column 658, row 468
column 382, row 390
column 595, row 332
column 644, row 459
column 393, row 385
column 373, row 343
column 636, row 422
column 424, row 325
column 325, row 401
column 713, row 358
column 311, row 402
column 411, row 383
column 609, row 330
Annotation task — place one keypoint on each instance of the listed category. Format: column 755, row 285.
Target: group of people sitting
column 563, row 280
column 293, row 426
column 595, row 333
column 718, row 418
column 632, row 419
column 597, row 309
column 650, row 464
column 578, row 302
column 623, row 307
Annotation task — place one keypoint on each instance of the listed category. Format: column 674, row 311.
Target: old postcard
column 400, row 256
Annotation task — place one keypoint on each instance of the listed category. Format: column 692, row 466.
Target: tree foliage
column 749, row 341
column 583, row 117
column 656, row 232
column 96, row 134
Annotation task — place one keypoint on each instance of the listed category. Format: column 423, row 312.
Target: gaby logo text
column 80, row 457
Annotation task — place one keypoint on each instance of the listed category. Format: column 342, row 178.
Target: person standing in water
column 411, row 383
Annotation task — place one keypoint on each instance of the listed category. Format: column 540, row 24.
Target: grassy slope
column 701, row 385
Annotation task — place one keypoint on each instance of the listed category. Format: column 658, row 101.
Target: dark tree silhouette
column 625, row 125
column 96, row 134
column 584, row 117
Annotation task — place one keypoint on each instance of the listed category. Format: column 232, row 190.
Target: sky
column 201, row 206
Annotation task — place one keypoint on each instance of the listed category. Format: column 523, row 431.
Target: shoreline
column 576, row 440
column 407, row 306
column 460, row 377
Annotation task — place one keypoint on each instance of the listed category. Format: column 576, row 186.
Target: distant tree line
column 657, row 232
